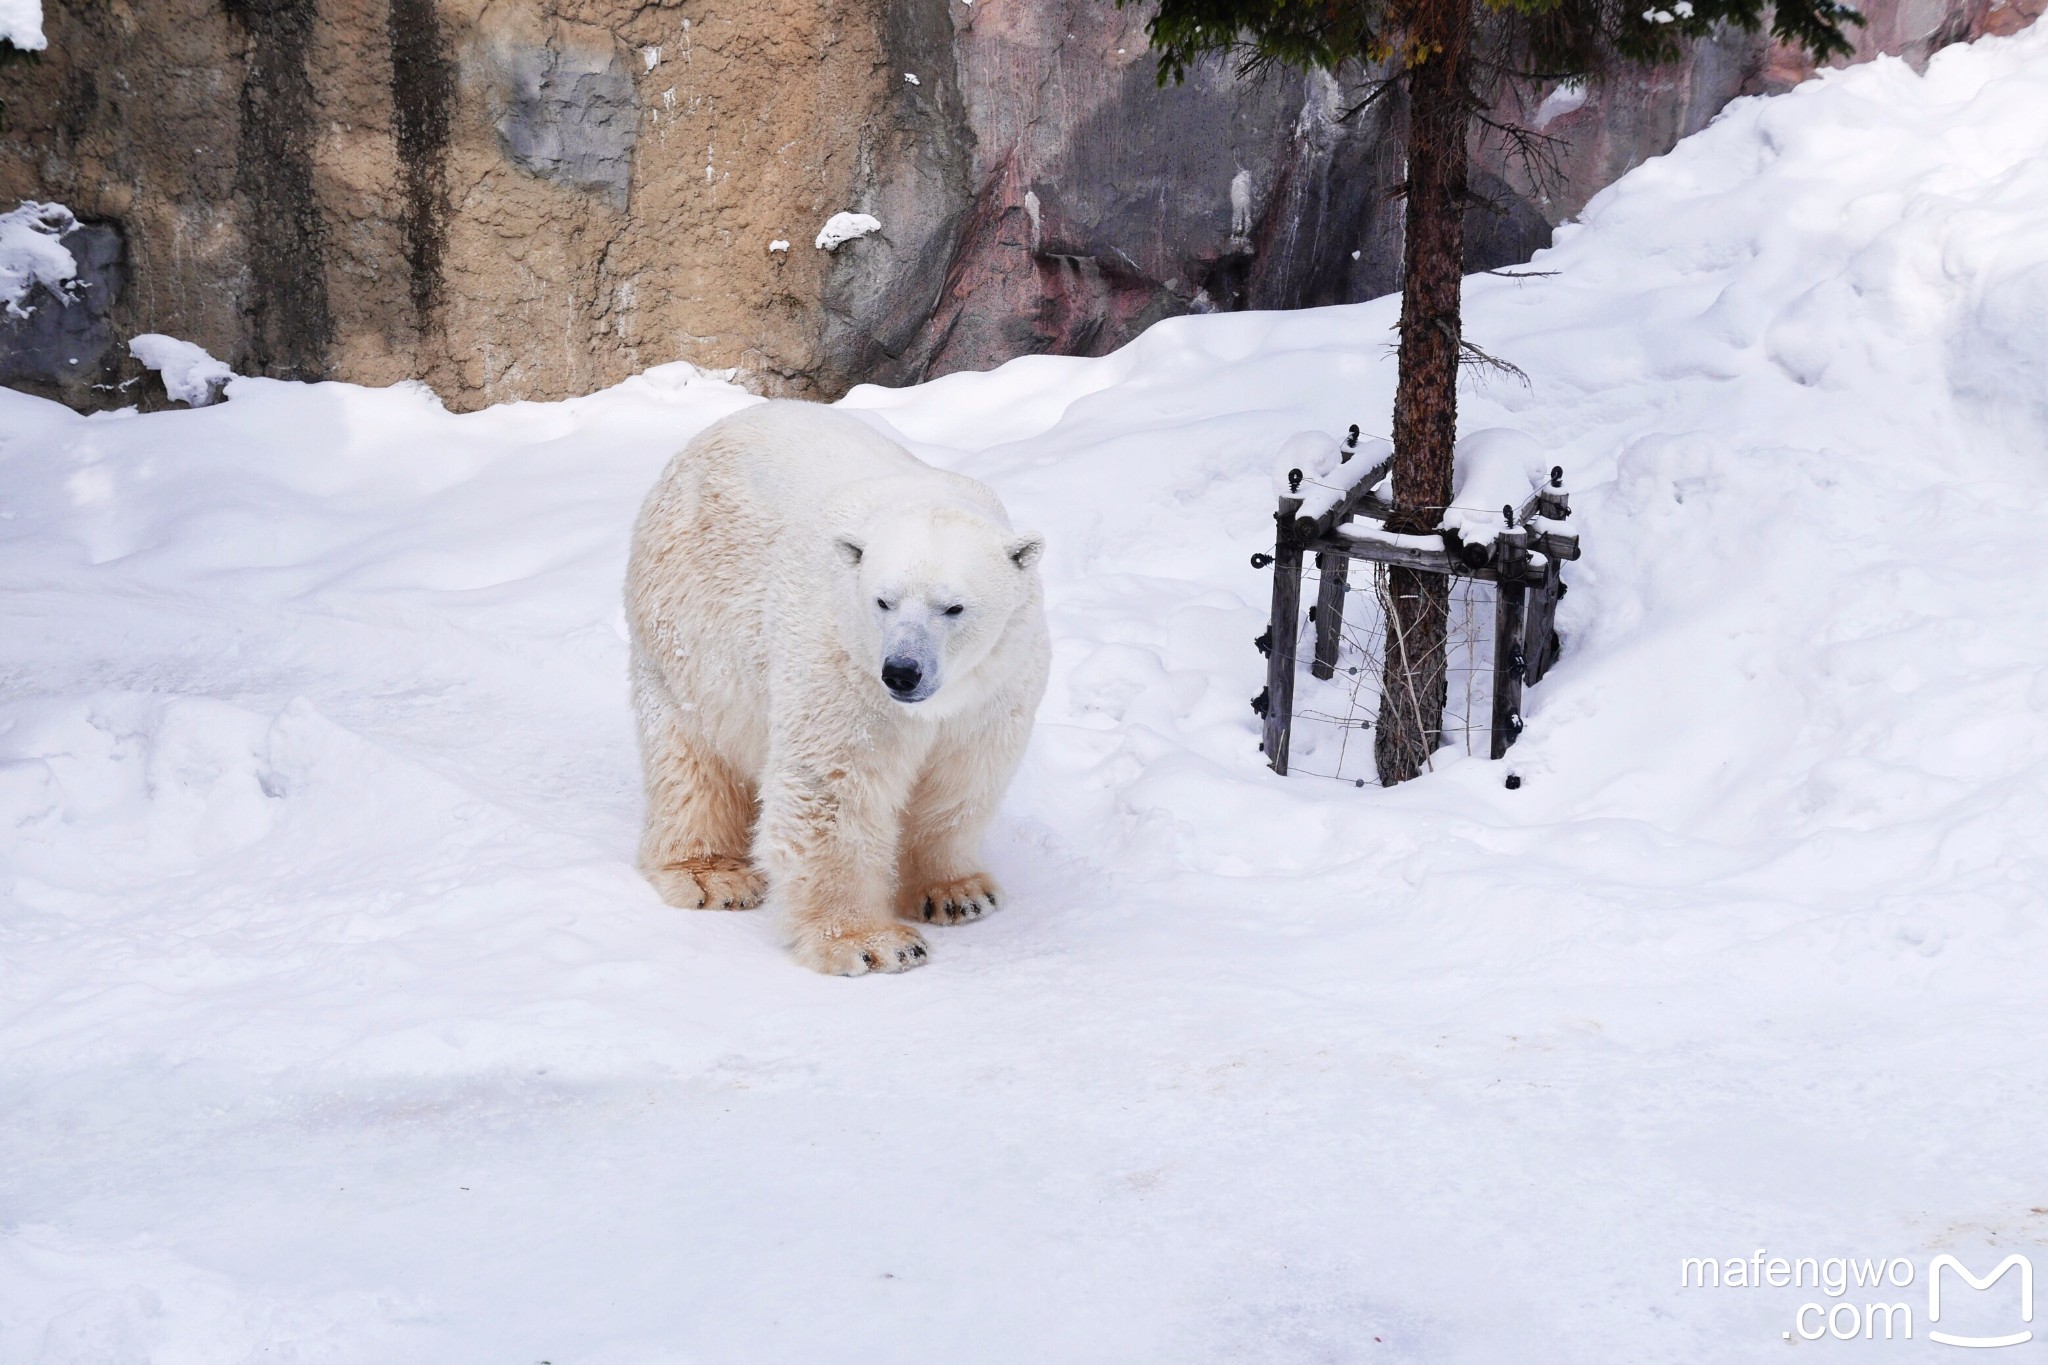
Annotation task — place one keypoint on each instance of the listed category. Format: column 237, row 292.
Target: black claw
column 991, row 900
column 871, row 960
column 917, row 950
column 929, row 909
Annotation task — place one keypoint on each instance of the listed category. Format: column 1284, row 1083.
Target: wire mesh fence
column 1334, row 718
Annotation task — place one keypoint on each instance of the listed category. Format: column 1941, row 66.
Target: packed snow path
column 336, row 1026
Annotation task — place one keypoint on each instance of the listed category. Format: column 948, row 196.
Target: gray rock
column 566, row 112
column 881, row 290
column 66, row 345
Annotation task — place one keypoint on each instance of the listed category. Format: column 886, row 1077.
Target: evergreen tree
column 1451, row 62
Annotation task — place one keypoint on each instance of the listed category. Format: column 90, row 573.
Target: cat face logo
column 1934, row 1269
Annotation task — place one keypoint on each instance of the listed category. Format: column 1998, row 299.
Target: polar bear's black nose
column 901, row 675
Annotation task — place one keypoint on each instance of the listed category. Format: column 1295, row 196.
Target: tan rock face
column 536, row 198
column 508, row 199
column 613, row 190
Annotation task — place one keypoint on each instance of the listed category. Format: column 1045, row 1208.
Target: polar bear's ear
column 1025, row 550
column 850, row 549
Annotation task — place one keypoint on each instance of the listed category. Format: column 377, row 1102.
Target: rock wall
column 535, row 198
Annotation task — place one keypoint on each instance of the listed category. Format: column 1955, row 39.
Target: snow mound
column 1494, row 469
column 190, row 375
column 841, row 228
column 1304, row 459
column 31, row 253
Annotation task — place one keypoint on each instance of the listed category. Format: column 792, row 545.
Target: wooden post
column 1510, row 667
column 1275, row 705
column 1335, row 569
column 1539, row 634
column 1285, row 627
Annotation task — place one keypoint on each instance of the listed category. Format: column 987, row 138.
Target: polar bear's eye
column 955, row 609
column 883, row 603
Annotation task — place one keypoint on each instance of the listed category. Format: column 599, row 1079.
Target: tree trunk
column 1426, row 402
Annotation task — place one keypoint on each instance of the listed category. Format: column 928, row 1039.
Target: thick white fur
column 771, row 747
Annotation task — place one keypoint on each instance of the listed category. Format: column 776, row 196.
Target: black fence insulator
column 1515, row 721
column 1557, row 476
column 1294, row 480
column 1350, row 445
column 1264, row 644
column 1260, row 561
column 1518, row 667
column 1262, row 703
column 1514, row 782
column 1507, row 514
column 1311, row 615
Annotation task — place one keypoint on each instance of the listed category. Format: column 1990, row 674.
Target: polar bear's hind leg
column 693, row 848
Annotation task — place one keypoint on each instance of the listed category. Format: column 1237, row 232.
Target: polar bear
column 837, row 653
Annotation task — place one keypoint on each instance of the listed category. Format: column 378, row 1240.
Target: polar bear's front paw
column 889, row 948
column 709, row 883
column 956, row 901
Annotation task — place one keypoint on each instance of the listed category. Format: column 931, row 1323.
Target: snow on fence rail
column 1333, row 508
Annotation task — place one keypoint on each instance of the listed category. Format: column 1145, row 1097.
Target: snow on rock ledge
column 21, row 23
column 190, row 375
column 30, row 250
column 841, row 228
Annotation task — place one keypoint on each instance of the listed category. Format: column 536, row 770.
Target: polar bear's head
column 934, row 590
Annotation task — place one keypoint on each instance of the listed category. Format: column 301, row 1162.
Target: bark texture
column 1426, row 402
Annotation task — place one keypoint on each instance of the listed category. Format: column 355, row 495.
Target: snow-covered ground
column 336, row 1026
